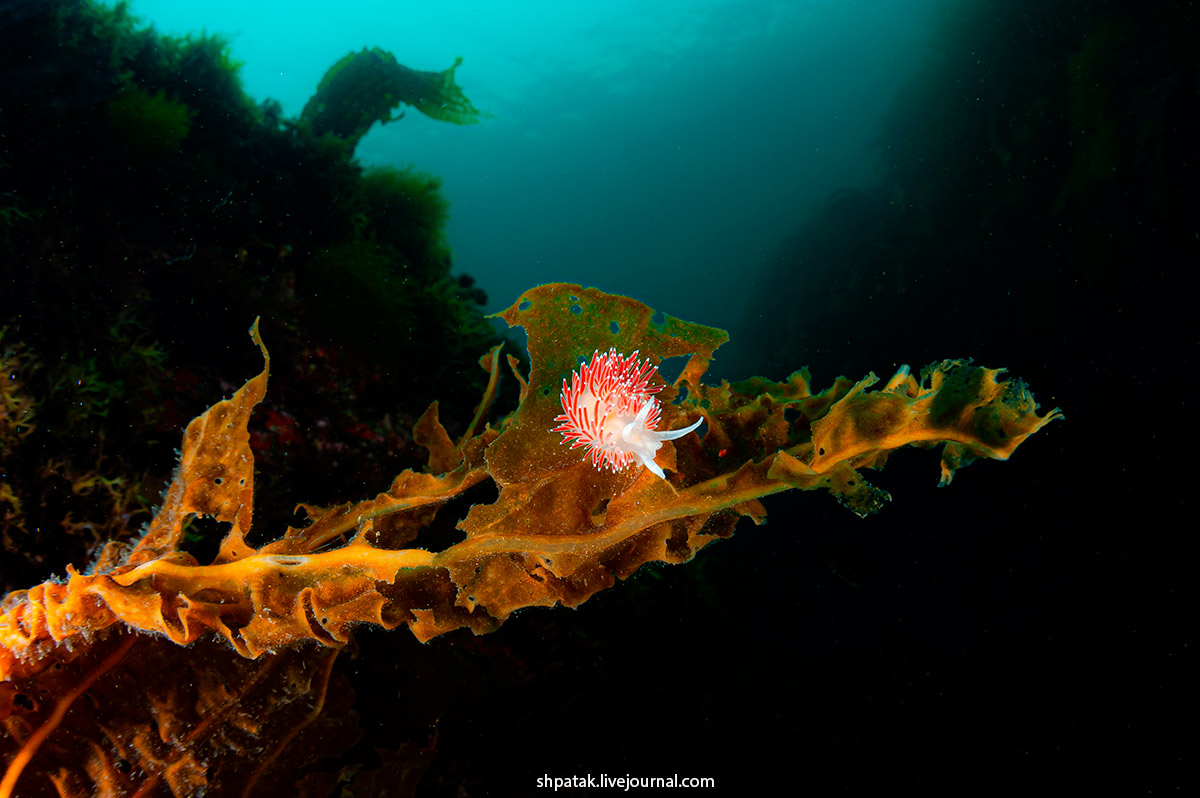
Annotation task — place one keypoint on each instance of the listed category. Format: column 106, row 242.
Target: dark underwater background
column 847, row 186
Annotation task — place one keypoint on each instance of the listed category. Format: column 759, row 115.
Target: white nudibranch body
column 609, row 407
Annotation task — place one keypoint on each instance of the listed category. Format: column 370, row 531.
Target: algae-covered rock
column 366, row 87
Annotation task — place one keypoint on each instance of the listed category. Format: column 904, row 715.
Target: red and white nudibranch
column 610, row 408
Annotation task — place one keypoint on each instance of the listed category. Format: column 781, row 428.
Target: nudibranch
column 610, row 408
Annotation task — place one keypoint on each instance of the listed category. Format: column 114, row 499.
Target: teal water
column 657, row 150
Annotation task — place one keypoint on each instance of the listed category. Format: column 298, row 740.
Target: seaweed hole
column 658, row 318
column 821, row 451
column 218, row 480
column 23, row 701
column 576, row 309
column 202, row 536
column 671, row 367
column 598, row 513
column 614, row 327
column 443, row 531
column 524, row 305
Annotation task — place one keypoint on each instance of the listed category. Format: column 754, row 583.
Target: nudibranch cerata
column 610, row 408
